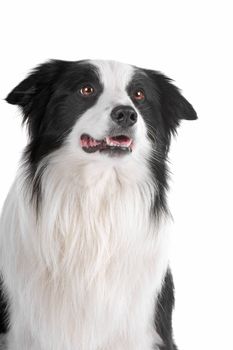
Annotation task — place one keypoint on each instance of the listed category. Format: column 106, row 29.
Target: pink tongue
column 119, row 140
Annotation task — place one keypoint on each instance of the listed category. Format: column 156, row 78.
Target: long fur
column 84, row 238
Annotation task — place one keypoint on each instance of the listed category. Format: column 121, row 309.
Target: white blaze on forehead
column 115, row 77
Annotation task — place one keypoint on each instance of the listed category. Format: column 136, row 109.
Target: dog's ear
column 174, row 106
column 34, row 92
column 22, row 94
column 39, row 79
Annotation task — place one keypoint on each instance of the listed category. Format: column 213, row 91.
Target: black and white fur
column 84, row 236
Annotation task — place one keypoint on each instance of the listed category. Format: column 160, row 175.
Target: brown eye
column 139, row 95
column 87, row 90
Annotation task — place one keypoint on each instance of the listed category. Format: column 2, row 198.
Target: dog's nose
column 124, row 116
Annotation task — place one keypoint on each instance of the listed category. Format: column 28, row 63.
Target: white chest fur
column 88, row 269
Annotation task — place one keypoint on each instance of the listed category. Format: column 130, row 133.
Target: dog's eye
column 87, row 90
column 139, row 95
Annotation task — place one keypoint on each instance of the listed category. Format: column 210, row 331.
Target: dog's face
column 102, row 109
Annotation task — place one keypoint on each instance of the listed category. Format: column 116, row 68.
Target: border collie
column 85, row 228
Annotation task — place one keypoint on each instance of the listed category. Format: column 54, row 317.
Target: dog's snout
column 124, row 116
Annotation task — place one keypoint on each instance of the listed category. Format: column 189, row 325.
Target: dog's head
column 102, row 109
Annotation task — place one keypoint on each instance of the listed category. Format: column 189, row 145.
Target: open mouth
column 120, row 144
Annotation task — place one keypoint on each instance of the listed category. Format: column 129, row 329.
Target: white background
column 190, row 41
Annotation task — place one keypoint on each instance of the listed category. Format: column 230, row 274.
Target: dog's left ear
column 174, row 106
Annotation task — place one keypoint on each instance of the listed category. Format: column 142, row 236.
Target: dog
column 84, row 240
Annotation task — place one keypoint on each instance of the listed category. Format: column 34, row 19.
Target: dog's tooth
column 108, row 141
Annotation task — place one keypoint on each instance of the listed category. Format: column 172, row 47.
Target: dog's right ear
column 40, row 77
column 22, row 94
column 34, row 92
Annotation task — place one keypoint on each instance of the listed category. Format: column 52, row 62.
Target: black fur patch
column 163, row 318
column 3, row 311
column 162, row 110
column 51, row 104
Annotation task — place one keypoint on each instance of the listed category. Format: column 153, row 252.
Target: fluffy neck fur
column 92, row 212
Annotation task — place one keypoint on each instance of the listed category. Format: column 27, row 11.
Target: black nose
column 124, row 116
